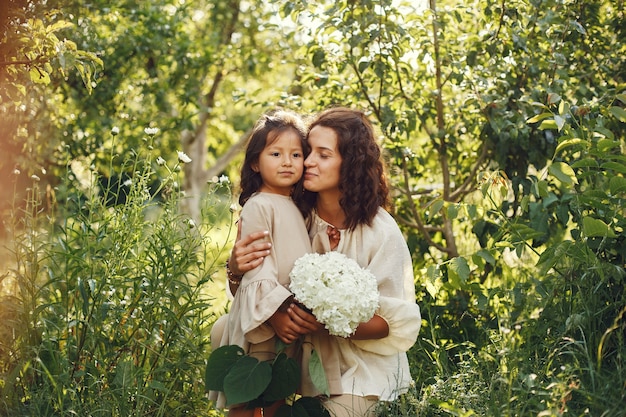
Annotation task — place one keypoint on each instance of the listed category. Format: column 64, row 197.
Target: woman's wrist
column 233, row 278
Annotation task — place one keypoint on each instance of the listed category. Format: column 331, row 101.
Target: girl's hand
column 305, row 320
column 248, row 252
column 285, row 328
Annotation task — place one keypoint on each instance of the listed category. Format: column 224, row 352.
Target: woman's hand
column 248, row 252
column 376, row 328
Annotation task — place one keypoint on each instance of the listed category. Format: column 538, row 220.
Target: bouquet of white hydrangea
column 336, row 289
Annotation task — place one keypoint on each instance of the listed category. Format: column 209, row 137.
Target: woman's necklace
column 333, row 232
column 334, row 236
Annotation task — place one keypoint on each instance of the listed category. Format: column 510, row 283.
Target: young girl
column 271, row 185
column 345, row 171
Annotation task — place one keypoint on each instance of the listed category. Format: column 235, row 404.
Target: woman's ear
column 255, row 166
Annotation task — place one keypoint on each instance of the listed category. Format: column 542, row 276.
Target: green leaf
column 605, row 145
column 596, row 228
column 246, row 380
column 318, row 375
column 615, row 166
column 220, row 362
column 487, row 256
column 539, row 117
column 621, row 97
column 571, row 142
column 563, row 172
column 553, row 98
column 585, row 163
column 453, row 211
column 548, row 124
column 458, row 272
column 39, row 76
column 436, row 206
column 285, row 379
column 560, row 121
column 619, row 113
column 617, row 185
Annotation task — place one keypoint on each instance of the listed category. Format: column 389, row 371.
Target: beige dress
column 265, row 288
column 377, row 368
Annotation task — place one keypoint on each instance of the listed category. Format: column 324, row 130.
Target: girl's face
column 281, row 163
column 323, row 165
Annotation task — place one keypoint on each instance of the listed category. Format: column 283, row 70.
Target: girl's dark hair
column 265, row 131
column 362, row 183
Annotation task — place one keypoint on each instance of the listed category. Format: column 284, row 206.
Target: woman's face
column 323, row 165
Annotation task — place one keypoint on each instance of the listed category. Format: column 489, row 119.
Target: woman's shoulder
column 384, row 220
column 383, row 226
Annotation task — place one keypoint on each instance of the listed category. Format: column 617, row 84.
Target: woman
column 345, row 173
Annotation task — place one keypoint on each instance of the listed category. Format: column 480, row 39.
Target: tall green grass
column 108, row 308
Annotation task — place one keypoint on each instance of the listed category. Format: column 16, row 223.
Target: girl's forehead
column 288, row 137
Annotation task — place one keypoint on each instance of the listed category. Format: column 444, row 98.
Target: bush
column 110, row 311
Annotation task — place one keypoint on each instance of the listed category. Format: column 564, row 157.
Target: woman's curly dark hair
column 265, row 131
column 363, row 183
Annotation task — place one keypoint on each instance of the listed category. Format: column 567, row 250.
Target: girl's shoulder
column 268, row 202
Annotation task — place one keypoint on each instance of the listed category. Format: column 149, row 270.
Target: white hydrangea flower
column 338, row 291
column 183, row 158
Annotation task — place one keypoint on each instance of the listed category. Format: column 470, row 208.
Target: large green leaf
column 220, row 362
column 458, row 272
column 318, row 376
column 285, row 379
column 563, row 172
column 246, row 380
column 617, row 185
column 596, row 228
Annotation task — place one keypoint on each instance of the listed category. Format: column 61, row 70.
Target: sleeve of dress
column 260, row 293
column 404, row 320
column 390, row 262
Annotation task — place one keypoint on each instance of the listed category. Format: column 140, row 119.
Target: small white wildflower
column 183, row 158
column 214, row 179
column 407, row 152
column 224, row 179
column 191, row 223
column 115, row 130
column 151, row 131
column 35, row 177
column 128, row 182
column 160, row 161
column 43, row 171
column 16, row 171
column 233, row 208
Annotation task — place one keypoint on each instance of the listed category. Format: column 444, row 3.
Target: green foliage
column 112, row 310
column 245, row 379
